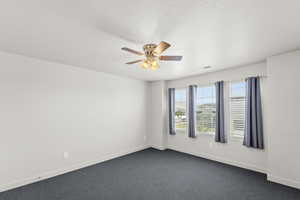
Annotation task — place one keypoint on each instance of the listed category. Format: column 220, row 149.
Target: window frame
column 181, row 132
column 231, row 134
column 198, row 87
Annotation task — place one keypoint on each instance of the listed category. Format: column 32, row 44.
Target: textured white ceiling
column 90, row 33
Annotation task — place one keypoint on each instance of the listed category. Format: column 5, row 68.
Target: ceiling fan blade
column 132, row 51
column 161, row 47
column 136, row 61
column 170, row 58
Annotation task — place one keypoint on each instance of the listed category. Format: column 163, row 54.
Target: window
column 180, row 111
column 237, row 108
column 206, row 109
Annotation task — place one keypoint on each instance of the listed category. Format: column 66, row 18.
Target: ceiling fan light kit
column 152, row 53
column 150, row 64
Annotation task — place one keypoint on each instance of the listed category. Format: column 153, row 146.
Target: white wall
column 280, row 98
column 204, row 146
column 283, row 118
column 157, row 116
column 47, row 109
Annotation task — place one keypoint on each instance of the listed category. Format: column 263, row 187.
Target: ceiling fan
column 152, row 55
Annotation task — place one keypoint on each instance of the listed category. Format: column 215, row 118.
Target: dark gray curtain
column 254, row 125
column 172, row 111
column 220, row 125
column 192, row 110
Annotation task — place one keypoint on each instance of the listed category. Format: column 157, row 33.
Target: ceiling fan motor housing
column 149, row 50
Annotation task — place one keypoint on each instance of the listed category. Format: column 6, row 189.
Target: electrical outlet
column 66, row 155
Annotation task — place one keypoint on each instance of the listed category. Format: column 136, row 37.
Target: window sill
column 180, row 132
column 237, row 138
column 206, row 134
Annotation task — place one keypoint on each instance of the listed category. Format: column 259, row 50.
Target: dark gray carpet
column 156, row 175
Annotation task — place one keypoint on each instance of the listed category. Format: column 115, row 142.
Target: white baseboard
column 284, row 181
column 229, row 162
column 158, row 147
column 54, row 173
column 26, row 181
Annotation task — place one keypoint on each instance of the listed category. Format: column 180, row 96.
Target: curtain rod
column 212, row 83
column 244, row 78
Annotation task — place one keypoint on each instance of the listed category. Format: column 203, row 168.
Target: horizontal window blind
column 237, row 109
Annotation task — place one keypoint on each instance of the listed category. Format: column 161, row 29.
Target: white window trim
column 211, row 134
column 227, row 106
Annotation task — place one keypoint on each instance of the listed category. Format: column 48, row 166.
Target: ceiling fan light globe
column 145, row 65
column 154, row 65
